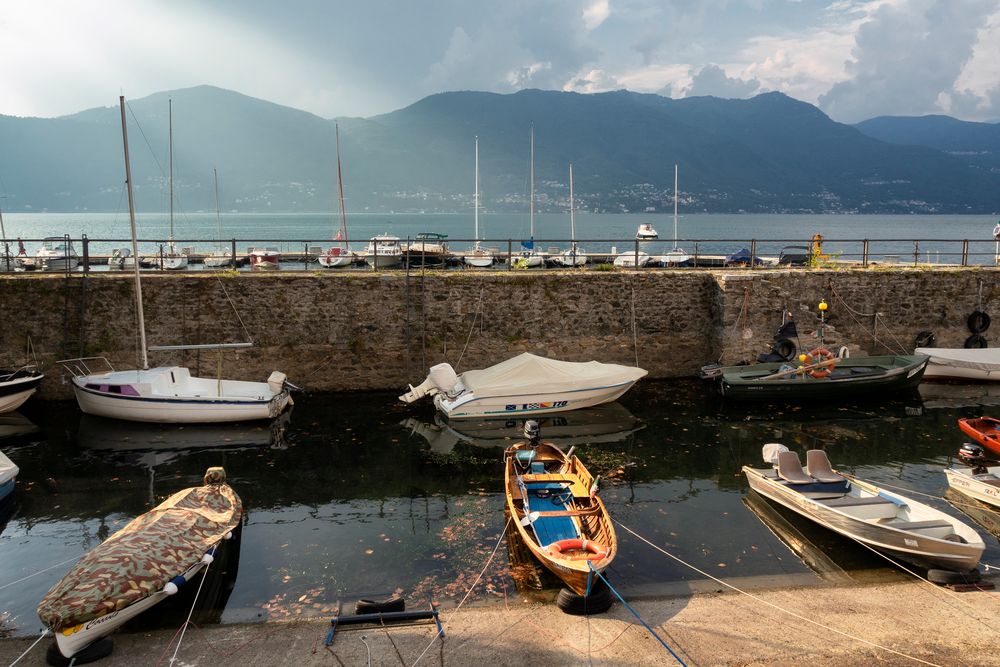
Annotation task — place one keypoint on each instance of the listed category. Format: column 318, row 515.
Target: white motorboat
column 339, row 256
column 8, row 474
column 264, row 259
column 958, row 363
column 145, row 562
column 169, row 393
column 16, row 386
column 172, row 259
column 891, row 523
column 220, row 256
column 384, row 251
column 427, row 249
column 575, row 256
column 478, row 256
column 525, row 384
column 979, row 483
column 57, row 254
column 631, row 259
column 646, row 233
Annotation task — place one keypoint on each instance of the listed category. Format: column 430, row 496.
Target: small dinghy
column 553, row 503
column 984, row 430
column 525, row 384
column 8, row 473
column 141, row 564
column 981, row 481
column 893, row 524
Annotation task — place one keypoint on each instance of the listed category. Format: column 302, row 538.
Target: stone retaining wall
column 332, row 332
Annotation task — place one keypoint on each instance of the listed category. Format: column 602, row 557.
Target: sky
column 854, row 59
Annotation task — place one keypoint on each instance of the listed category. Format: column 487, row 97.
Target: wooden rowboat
column 984, row 430
column 553, row 504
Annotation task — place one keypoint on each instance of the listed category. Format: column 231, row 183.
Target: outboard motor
column 770, row 451
column 441, row 379
column 533, row 432
column 973, row 454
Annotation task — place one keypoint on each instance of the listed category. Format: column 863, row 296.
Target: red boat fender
column 596, row 549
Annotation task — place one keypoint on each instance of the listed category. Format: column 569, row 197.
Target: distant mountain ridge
column 770, row 153
column 977, row 144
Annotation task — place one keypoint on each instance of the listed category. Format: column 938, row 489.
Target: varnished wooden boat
column 554, row 506
column 984, row 430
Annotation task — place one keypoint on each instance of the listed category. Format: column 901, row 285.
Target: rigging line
column 40, row 638
column 469, row 592
column 472, row 329
column 744, row 308
column 224, row 291
column 35, row 574
column 851, row 312
column 774, row 606
column 138, row 125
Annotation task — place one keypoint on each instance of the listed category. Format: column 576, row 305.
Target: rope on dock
column 635, row 613
column 40, row 638
column 468, row 592
column 772, row 605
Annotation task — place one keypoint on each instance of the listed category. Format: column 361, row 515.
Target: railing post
column 161, row 257
column 753, row 253
column 375, row 252
column 85, row 243
column 636, row 265
column 965, row 252
column 510, row 255
column 305, row 256
column 234, row 255
column 916, row 252
column 864, row 253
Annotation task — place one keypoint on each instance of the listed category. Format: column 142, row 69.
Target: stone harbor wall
column 336, row 332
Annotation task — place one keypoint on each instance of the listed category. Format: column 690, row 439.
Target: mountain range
column 770, row 153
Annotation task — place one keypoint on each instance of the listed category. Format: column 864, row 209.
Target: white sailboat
column 574, row 256
column 529, row 257
column 169, row 393
column 172, row 259
column 676, row 256
column 8, row 262
column 220, row 256
column 478, row 256
column 339, row 256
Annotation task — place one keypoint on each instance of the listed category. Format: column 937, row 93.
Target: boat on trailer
column 554, row 506
column 148, row 560
column 525, row 384
column 893, row 524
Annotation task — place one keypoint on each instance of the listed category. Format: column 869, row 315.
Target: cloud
column 712, row 80
column 596, row 14
column 592, row 81
column 907, row 59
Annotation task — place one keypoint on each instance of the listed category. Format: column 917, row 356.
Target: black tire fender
column 978, row 322
column 948, row 577
column 598, row 602
column 975, row 341
column 784, row 347
column 102, row 648
column 924, row 339
column 380, row 607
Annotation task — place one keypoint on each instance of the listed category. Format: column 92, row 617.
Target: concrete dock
column 924, row 624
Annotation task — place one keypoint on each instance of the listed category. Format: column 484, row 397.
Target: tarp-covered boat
column 959, row 363
column 141, row 564
column 889, row 522
column 8, row 473
column 834, row 378
column 525, row 384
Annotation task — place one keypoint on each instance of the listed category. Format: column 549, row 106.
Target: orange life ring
column 595, row 549
column 819, row 355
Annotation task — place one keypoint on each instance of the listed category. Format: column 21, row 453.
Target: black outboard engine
column 533, row 432
column 974, row 456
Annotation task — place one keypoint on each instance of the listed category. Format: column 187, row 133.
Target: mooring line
column 930, row 495
column 187, row 622
column 774, row 606
column 40, row 638
column 468, row 592
column 636, row 614
column 35, row 574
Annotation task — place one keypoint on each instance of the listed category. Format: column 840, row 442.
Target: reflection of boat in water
column 101, row 433
column 14, row 425
column 986, row 516
column 833, row 558
column 947, row 395
column 610, row 422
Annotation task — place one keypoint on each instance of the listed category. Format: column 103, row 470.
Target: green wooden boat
column 843, row 378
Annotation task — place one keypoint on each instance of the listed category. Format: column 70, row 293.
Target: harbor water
column 357, row 495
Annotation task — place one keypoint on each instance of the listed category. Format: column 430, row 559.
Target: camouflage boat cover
column 142, row 557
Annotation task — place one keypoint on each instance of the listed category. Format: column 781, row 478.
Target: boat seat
column 818, row 467
column 537, row 468
column 918, row 525
column 790, row 469
column 554, row 481
column 851, row 501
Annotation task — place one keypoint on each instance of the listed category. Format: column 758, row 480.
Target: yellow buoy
column 822, row 305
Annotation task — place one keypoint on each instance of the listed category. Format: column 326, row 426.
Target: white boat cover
column 8, row 470
column 984, row 359
column 530, row 374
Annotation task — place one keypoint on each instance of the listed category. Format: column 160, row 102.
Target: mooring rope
column 468, row 592
column 636, row 614
column 852, row 312
column 635, row 336
column 472, row 329
column 233, row 305
column 40, row 638
column 187, row 622
column 956, row 503
column 35, row 574
column 774, row 606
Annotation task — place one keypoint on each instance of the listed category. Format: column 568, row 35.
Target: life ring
column 595, row 549
column 819, row 355
column 975, row 341
column 978, row 322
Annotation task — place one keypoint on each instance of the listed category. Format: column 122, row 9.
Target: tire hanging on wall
column 784, row 347
column 975, row 342
column 924, row 339
column 978, row 322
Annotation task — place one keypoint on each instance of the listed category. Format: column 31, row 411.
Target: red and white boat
column 265, row 259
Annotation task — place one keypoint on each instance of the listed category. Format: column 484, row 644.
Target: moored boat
column 384, row 251
column 264, row 259
column 554, row 506
column 339, row 256
column 426, row 249
column 8, row 474
column 959, row 363
column 56, row 254
column 984, row 430
column 893, row 524
column 17, row 386
column 525, row 384
column 822, row 376
column 141, row 564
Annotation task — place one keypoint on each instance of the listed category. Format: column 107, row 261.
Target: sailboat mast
column 476, row 199
column 6, row 248
column 531, row 170
column 135, row 245
column 170, row 151
column 340, row 185
column 572, row 214
column 218, row 216
column 675, row 204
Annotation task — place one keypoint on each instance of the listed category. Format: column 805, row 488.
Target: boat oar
column 530, row 518
column 802, row 369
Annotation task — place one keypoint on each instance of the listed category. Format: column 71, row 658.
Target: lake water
column 354, row 495
column 940, row 235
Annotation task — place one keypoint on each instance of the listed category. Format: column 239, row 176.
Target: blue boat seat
column 537, row 468
column 549, row 529
column 525, row 455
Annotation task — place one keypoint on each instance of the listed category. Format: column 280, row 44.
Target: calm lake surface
column 940, row 235
column 356, row 494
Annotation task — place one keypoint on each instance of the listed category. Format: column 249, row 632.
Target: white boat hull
column 175, row 262
column 468, row 406
column 631, row 260
column 571, row 259
column 384, row 261
column 12, row 402
column 976, row 486
column 982, row 365
column 216, row 261
column 264, row 262
column 478, row 261
column 57, row 263
column 336, row 261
